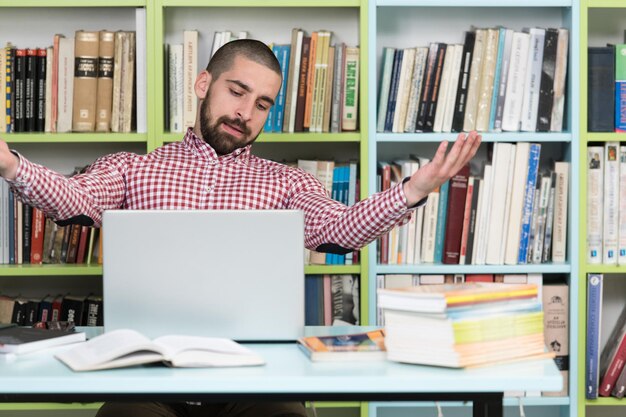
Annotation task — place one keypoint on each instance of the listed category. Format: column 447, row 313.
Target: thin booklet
column 125, row 347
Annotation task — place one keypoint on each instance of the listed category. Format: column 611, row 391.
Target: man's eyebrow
column 247, row 88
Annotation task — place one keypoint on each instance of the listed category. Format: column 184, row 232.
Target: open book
column 121, row 348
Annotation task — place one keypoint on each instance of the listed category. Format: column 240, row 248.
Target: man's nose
column 244, row 110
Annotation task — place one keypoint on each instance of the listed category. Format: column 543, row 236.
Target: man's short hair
column 250, row 49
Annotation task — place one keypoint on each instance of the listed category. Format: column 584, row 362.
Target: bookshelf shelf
column 604, row 269
column 605, row 137
column 76, row 138
column 267, row 3
column 290, row 137
column 332, row 269
column 50, row 270
column 474, row 3
column 474, row 269
column 74, row 3
column 487, row 137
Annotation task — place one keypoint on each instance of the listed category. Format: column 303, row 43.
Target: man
column 212, row 168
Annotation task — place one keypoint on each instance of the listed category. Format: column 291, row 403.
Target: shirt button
column 211, row 188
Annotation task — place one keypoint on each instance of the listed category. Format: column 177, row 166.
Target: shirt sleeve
column 79, row 199
column 328, row 222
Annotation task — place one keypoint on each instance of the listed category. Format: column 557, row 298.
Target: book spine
column 3, row 89
column 601, row 89
column 429, row 124
column 595, row 187
column 417, row 79
column 546, row 91
column 487, row 76
column 85, row 81
column 455, row 216
column 441, row 221
column 41, row 88
column 560, row 78
column 461, row 94
column 469, row 121
column 190, row 69
column 531, row 180
column 279, row 108
column 393, row 89
column 530, row 101
column 65, row 93
column 19, row 118
column 610, row 203
column 351, row 89
column 594, row 312
column 30, row 88
column 302, row 84
column 547, row 245
column 511, row 114
column 8, row 115
column 422, row 110
column 104, row 82
column 556, row 334
column 614, row 369
column 335, row 114
column 36, row 251
column 292, row 82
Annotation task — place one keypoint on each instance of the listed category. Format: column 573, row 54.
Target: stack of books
column 463, row 325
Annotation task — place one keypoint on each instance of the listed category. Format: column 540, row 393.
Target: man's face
column 236, row 105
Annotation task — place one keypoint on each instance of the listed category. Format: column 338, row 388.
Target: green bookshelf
column 601, row 22
column 164, row 19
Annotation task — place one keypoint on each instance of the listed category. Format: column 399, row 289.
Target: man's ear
column 203, row 80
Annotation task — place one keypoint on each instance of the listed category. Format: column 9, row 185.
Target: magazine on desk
column 364, row 346
column 125, row 347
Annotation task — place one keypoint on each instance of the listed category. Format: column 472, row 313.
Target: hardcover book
column 124, row 347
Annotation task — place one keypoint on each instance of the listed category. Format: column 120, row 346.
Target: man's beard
column 223, row 143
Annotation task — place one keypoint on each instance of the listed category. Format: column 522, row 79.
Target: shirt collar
column 200, row 147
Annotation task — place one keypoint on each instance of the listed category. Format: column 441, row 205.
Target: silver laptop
column 229, row 273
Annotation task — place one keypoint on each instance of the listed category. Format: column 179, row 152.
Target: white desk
column 288, row 375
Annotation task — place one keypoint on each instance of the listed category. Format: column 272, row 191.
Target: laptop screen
column 227, row 273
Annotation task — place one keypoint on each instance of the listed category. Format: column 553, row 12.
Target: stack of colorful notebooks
column 463, row 325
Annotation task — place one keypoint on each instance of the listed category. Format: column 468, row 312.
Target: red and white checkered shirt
column 190, row 175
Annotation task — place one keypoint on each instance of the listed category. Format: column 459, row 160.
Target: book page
column 194, row 351
column 111, row 350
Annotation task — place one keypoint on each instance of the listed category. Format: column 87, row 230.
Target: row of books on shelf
column 605, row 94
column 84, row 83
column 28, row 237
column 26, row 311
column 606, row 204
column 498, row 80
column 342, row 183
column 604, row 373
column 319, row 91
column 332, row 300
column 465, row 322
column 515, row 214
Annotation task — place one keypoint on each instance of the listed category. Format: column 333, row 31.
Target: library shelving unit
column 164, row 22
column 602, row 22
column 30, row 24
column 411, row 23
